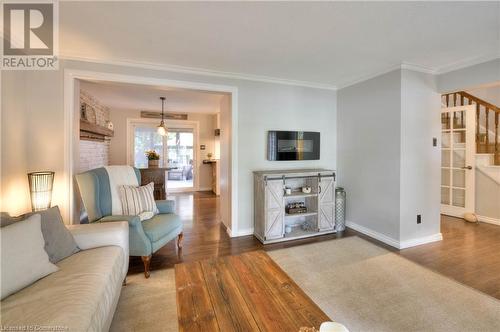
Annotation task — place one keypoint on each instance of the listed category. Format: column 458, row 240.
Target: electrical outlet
column 419, row 218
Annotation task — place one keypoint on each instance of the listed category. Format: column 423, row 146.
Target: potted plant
column 153, row 158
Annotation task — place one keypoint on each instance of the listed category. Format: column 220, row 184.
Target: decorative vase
column 153, row 163
column 340, row 206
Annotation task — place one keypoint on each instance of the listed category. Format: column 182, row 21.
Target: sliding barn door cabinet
column 293, row 204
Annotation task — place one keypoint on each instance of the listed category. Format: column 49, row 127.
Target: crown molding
column 418, row 68
column 466, row 63
column 367, row 77
column 422, row 69
column 403, row 65
column 198, row 71
column 267, row 79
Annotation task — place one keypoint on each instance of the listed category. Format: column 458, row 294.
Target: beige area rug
column 147, row 304
column 368, row 288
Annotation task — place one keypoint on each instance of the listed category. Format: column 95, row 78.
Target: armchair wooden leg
column 146, row 260
column 179, row 240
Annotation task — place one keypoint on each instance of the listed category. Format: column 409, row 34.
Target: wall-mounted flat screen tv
column 293, row 145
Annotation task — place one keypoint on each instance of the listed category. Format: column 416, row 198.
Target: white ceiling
column 329, row 43
column 147, row 98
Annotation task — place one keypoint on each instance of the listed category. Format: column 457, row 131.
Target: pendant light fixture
column 162, row 130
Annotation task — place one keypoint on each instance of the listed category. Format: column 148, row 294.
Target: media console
column 282, row 215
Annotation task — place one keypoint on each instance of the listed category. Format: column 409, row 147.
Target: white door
column 457, row 160
column 181, row 160
column 326, row 189
column 177, row 150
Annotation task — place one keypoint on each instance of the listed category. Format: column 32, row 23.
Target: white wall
column 387, row 163
column 420, row 161
column 32, row 135
column 469, row 77
column 491, row 94
column 487, row 195
column 118, row 145
column 14, row 158
column 369, row 154
column 261, row 106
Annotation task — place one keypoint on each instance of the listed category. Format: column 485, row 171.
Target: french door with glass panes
column 457, row 160
column 176, row 150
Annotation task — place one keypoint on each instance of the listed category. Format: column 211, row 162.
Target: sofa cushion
column 24, row 260
column 160, row 225
column 59, row 243
column 81, row 296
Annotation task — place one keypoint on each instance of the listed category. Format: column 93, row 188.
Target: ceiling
column 329, row 43
column 147, row 98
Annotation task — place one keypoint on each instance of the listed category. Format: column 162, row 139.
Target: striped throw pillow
column 137, row 200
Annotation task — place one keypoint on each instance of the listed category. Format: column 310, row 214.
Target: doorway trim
column 195, row 125
column 71, row 83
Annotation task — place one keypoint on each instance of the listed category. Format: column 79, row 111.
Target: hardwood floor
column 246, row 292
column 469, row 253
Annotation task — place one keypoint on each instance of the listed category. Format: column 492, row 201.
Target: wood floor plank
column 229, row 305
column 194, row 307
column 267, row 311
column 308, row 314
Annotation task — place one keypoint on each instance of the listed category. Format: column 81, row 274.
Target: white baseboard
column 392, row 242
column 489, row 220
column 421, row 240
column 243, row 232
column 371, row 233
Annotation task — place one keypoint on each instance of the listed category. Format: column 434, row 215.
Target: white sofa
column 83, row 294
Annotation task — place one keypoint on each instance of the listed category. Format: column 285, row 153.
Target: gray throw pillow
column 59, row 243
column 6, row 219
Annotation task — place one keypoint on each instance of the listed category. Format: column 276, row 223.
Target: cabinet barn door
column 326, row 204
column 274, row 209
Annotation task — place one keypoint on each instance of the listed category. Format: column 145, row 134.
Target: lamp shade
column 41, row 189
column 161, row 130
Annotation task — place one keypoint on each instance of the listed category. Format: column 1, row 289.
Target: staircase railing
column 483, row 109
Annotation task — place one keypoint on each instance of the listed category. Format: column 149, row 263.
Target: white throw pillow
column 24, row 259
column 138, row 200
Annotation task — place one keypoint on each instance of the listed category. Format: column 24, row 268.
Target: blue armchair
column 146, row 236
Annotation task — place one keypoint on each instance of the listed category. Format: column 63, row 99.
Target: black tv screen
column 293, row 145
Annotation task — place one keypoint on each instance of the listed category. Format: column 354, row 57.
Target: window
column 146, row 138
column 176, row 152
column 180, row 147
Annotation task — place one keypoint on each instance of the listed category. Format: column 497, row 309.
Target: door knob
column 467, row 167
